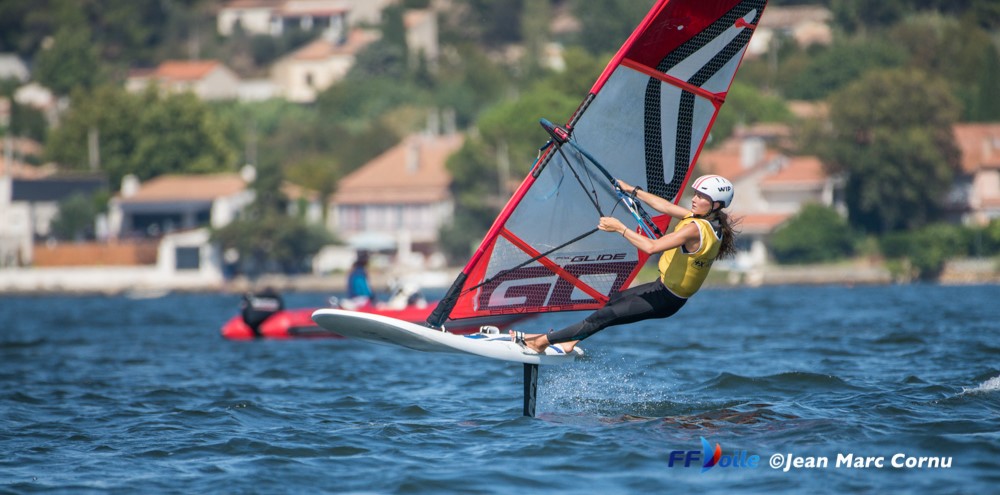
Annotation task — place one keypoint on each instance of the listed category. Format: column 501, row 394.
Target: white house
column 977, row 194
column 207, row 79
column 303, row 74
column 12, row 67
column 250, row 16
column 28, row 205
column 400, row 198
column 422, row 35
column 275, row 17
column 804, row 24
column 171, row 203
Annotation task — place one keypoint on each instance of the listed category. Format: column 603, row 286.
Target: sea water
column 779, row 389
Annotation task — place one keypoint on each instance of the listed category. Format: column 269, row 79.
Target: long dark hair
column 725, row 226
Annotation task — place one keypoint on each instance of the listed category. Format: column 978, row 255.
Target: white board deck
column 386, row 330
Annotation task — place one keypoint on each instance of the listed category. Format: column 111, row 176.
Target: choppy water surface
column 113, row 395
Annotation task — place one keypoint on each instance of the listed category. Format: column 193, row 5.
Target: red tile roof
column 322, row 49
column 251, row 4
column 187, row 188
column 185, row 70
column 799, row 171
column 727, row 160
column 414, row 17
column 413, row 172
column 760, row 223
column 980, row 146
column 724, row 161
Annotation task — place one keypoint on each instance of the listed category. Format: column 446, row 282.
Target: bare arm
column 655, row 202
column 650, row 246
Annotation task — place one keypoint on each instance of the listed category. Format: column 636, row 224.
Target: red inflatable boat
column 297, row 323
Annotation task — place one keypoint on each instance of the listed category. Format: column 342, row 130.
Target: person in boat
column 704, row 234
column 359, row 292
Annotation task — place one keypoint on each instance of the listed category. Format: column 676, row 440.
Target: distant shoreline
column 966, row 271
column 102, row 280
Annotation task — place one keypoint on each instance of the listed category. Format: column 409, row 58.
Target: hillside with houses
column 399, row 128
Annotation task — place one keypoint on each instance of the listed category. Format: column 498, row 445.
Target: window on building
column 187, row 258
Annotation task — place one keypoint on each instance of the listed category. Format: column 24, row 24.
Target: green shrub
column 816, row 234
column 928, row 248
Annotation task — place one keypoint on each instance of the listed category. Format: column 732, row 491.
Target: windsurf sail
column 644, row 121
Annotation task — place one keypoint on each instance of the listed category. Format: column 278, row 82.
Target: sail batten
column 718, row 98
column 645, row 121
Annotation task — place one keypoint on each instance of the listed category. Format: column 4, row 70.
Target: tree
column 266, row 238
column 70, row 62
column 842, row 63
column 859, row 15
column 606, row 24
column 318, row 172
column 27, row 121
column 988, row 239
column 958, row 51
column 815, row 234
column 746, row 105
column 361, row 99
column 381, row 59
column 127, row 30
column 111, row 113
column 892, row 137
column 497, row 21
column 982, row 104
column 22, row 26
column 142, row 134
column 928, row 248
column 393, row 28
column 575, row 81
column 76, row 217
column 469, row 81
column 180, row 134
column 535, row 32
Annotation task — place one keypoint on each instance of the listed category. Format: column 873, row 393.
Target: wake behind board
column 385, row 330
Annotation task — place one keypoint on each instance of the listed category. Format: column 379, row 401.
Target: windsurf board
column 386, row 330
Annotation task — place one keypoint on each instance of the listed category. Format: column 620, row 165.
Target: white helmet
column 716, row 187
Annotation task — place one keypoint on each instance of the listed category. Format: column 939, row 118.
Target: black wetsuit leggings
column 641, row 302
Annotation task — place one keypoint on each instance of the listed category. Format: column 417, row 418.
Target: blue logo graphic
column 709, row 457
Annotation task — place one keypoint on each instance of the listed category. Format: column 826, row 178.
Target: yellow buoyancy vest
column 683, row 272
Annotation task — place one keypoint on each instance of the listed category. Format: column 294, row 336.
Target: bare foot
column 538, row 342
